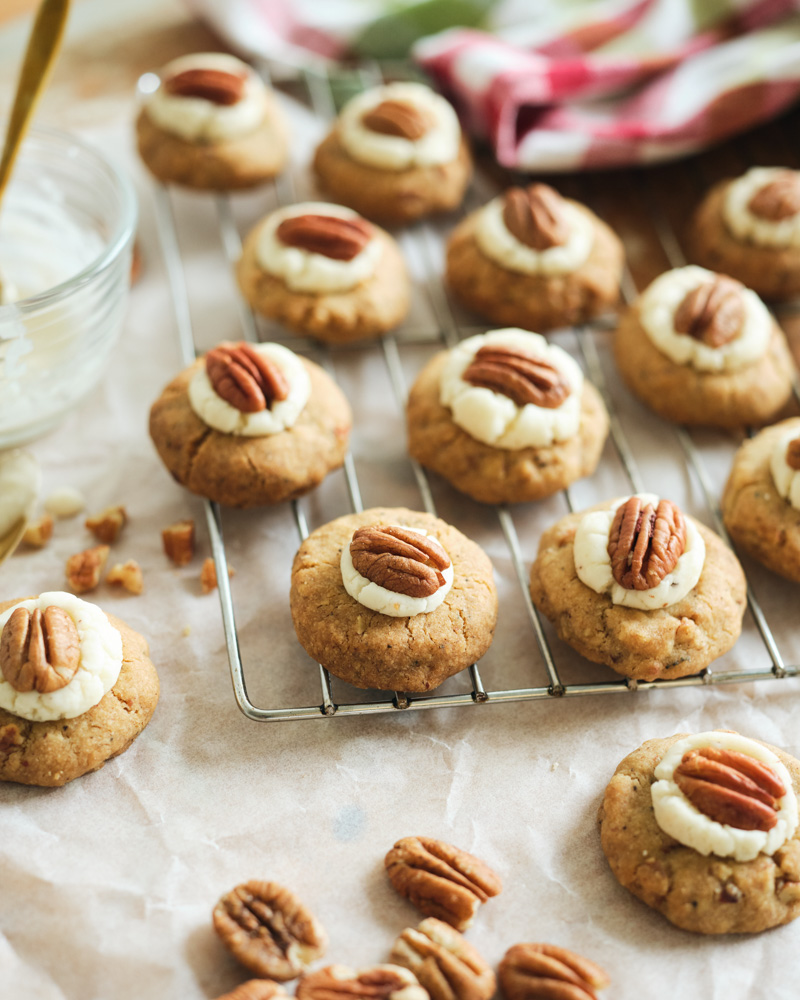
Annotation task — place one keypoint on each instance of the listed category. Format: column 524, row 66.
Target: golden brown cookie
column 674, row 641
column 773, row 272
column 241, row 471
column 52, row 753
column 760, row 521
column 370, row 649
column 535, row 301
column 371, row 308
column 498, row 475
column 703, row 894
column 754, row 394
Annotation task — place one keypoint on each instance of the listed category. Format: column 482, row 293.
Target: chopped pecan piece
column 338, row 982
column 39, row 532
column 522, row 377
column 713, row 312
column 399, row 559
column 39, row 651
column 127, row 575
column 208, row 575
column 84, row 568
column 535, row 216
column 215, row 85
column 793, row 454
column 107, row 525
column 256, row 989
column 245, row 378
column 441, row 880
column 178, row 541
column 779, row 199
column 645, row 542
column 399, row 118
column 444, row 962
column 329, row 235
column 268, row 930
column 547, row 972
column 731, row 787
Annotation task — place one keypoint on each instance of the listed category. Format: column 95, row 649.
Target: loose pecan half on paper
column 645, row 542
column 39, row 651
column 441, row 880
column 444, row 962
column 400, row 118
column 339, row 239
column 522, row 377
column 215, row 85
column 269, row 930
column 713, row 312
column 780, row 199
column 245, row 378
column 731, row 787
column 535, row 216
column 547, row 972
column 379, row 982
column 399, row 559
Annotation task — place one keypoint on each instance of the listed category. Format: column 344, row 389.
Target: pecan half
column 793, row 454
column 535, row 216
column 84, row 568
column 645, row 542
column 731, row 787
column 399, row 118
column 269, row 930
column 215, row 85
column 547, row 972
column 339, row 239
column 779, row 199
column 178, row 542
column 441, row 880
column 713, row 312
column 39, row 651
column 445, row 964
column 256, row 989
column 338, row 982
column 399, row 559
column 245, row 378
column 522, row 377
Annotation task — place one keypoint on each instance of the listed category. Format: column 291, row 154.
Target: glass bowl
column 67, row 223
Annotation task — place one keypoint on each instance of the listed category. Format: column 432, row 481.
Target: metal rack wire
column 447, row 333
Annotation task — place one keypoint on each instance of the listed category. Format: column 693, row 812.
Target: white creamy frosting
column 660, row 301
column 676, row 815
column 98, row 669
column 219, row 414
column 440, row 144
column 198, row 120
column 751, row 228
column 304, row 271
column 593, row 563
column 786, row 479
column 388, row 602
column 500, row 245
column 495, row 419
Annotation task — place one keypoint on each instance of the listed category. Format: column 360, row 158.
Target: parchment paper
column 107, row 885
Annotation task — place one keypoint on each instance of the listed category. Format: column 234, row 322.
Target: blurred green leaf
column 391, row 36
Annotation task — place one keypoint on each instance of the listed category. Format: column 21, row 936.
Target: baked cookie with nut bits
column 396, row 154
column 761, row 501
column 251, row 424
column 749, row 228
column 640, row 586
column 212, row 125
column 506, row 417
column 700, row 348
column 77, row 687
column 323, row 271
column 409, row 600
column 533, row 259
column 704, row 829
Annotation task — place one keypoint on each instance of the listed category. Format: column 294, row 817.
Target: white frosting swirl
column 305, row 271
column 786, row 479
column 98, row 669
column 499, row 244
column 659, row 303
column 198, row 120
column 751, row 228
column 676, row 815
column 495, row 419
column 440, row 144
column 388, row 602
column 219, row 414
column 593, row 563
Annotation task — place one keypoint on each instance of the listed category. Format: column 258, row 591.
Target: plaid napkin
column 559, row 86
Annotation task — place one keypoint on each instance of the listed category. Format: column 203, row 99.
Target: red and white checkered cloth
column 610, row 83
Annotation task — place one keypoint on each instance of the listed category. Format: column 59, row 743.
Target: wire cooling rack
column 321, row 96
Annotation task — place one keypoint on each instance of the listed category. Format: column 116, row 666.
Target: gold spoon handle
column 42, row 49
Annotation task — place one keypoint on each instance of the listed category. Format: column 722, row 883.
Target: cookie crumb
column 127, row 575
column 39, row 532
column 208, row 575
column 186, row 630
column 65, row 502
column 178, row 541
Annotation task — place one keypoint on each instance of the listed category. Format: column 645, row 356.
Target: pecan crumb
column 39, row 532
column 208, row 575
column 107, row 525
column 127, row 575
column 178, row 541
column 84, row 568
